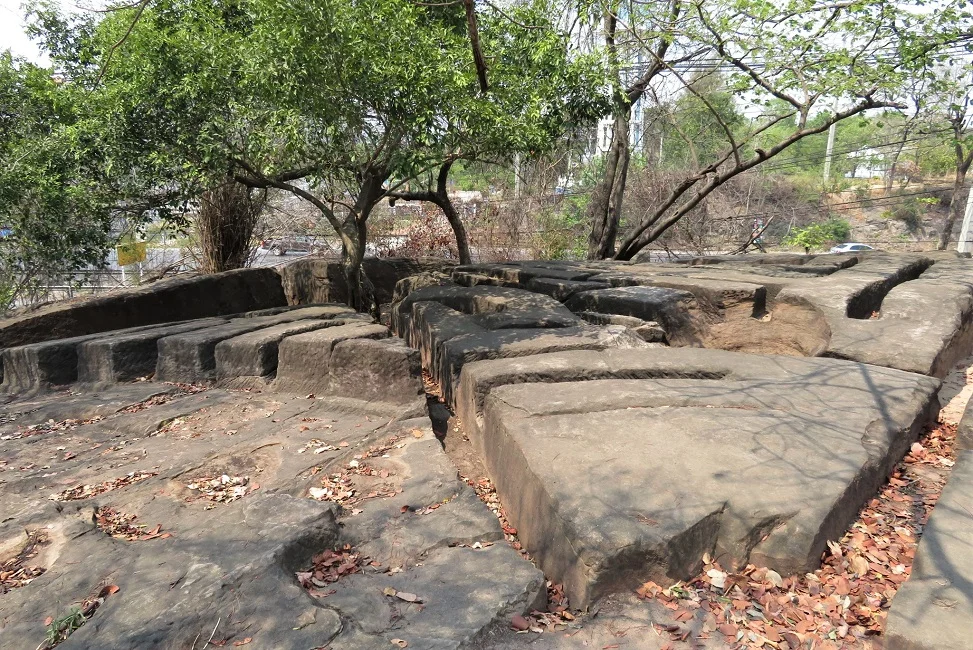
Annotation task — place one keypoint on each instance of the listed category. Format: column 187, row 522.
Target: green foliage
column 819, row 235
column 54, row 195
column 62, row 627
column 910, row 210
column 694, row 127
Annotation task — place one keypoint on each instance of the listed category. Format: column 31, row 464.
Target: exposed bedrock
column 225, row 568
column 912, row 312
column 618, row 466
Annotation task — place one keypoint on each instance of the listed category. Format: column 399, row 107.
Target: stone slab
column 627, row 465
column 176, row 299
column 384, row 370
column 933, row 609
column 255, row 354
column 232, row 565
column 304, row 360
column 48, row 363
column 191, row 357
column 126, row 357
column 677, row 311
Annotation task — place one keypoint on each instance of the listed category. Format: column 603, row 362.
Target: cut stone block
column 191, row 357
column 562, row 289
column 677, row 311
column 255, row 354
column 383, row 370
column 50, row 363
column 622, row 466
column 304, row 360
column 122, row 358
column 933, row 610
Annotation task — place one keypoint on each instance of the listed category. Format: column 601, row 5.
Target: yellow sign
column 130, row 253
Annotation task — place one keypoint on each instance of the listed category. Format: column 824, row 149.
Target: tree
column 805, row 65
column 817, row 235
column 951, row 91
column 538, row 93
column 56, row 205
column 375, row 95
column 224, row 223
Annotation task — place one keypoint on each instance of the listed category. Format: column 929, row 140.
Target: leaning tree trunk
column 456, row 223
column 605, row 208
column 955, row 206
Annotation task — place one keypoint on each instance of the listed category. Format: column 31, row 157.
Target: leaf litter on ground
column 842, row 605
column 87, row 491
column 329, row 567
column 121, row 526
column 17, row 571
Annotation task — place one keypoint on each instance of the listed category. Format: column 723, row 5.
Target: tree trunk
column 353, row 253
column 361, row 295
column 955, row 207
column 459, row 230
column 605, row 208
column 224, row 225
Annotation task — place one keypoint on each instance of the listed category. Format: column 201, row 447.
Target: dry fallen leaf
column 244, row 641
column 406, row 596
column 519, row 623
column 401, row 643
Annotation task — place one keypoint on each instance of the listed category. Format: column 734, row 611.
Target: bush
column 818, row 235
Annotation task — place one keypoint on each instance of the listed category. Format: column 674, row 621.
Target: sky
column 12, row 35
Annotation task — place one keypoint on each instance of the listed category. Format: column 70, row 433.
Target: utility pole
column 963, row 245
column 517, row 175
column 827, row 154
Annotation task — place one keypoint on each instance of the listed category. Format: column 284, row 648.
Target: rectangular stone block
column 304, row 360
column 122, row 358
column 51, row 363
column 191, row 357
column 255, row 354
column 933, row 610
column 383, row 370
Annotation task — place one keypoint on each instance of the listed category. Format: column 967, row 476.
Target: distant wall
column 176, row 299
column 314, row 280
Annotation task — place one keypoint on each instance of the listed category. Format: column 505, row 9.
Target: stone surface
column 304, row 362
column 684, row 452
column 454, row 325
column 373, row 370
column 933, row 610
column 231, row 566
column 255, row 354
column 191, row 356
column 912, row 312
column 182, row 298
column 48, row 363
column 677, row 311
column 125, row 357
column 316, row 280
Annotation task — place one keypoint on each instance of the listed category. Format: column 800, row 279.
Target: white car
column 851, row 248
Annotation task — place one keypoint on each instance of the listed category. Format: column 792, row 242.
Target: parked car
column 297, row 243
column 851, row 248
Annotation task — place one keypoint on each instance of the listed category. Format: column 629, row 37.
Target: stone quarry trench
column 727, row 452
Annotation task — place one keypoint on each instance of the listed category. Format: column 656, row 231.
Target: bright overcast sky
column 12, row 35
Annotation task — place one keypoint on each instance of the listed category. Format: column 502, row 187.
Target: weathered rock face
column 621, row 449
column 227, row 557
column 620, row 466
column 177, row 299
column 315, row 280
column 911, row 312
column 933, row 610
